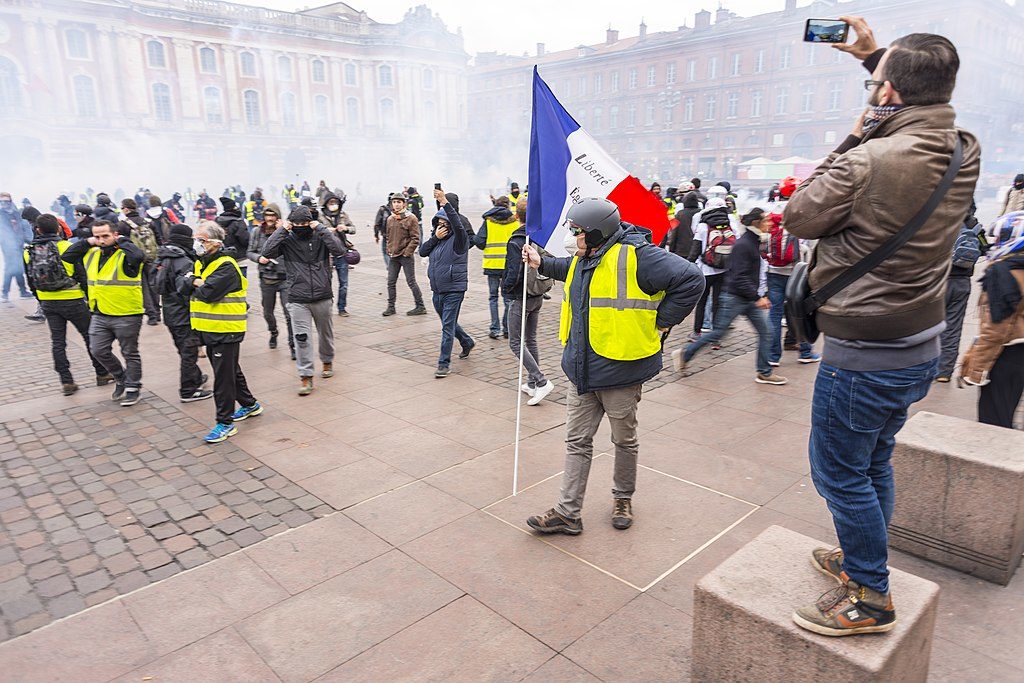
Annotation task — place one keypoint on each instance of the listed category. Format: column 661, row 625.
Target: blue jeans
column 341, row 268
column 732, row 307
column 447, row 305
column 494, row 283
column 777, row 295
column 854, row 420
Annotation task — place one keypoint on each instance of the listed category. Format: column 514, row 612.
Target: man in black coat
column 236, row 232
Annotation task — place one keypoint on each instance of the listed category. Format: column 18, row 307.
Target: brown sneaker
column 622, row 513
column 829, row 562
column 328, row 370
column 307, row 386
column 551, row 522
column 847, row 610
column 69, row 388
column 771, row 378
column 104, row 380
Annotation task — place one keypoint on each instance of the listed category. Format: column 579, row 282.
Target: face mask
column 198, row 247
column 304, row 231
column 333, row 208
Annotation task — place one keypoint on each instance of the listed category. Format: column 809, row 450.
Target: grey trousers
column 583, row 417
column 103, row 330
column 958, row 291
column 531, row 356
column 304, row 316
column 407, row 264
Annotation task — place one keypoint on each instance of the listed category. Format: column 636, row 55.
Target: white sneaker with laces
column 540, row 392
column 527, row 389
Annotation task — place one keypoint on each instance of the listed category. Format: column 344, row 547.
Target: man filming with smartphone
column 904, row 176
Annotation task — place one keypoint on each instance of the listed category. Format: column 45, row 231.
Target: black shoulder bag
column 802, row 304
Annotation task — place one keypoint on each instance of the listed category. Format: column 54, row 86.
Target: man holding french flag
column 621, row 292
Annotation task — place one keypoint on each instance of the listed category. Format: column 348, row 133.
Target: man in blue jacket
column 612, row 342
column 448, row 248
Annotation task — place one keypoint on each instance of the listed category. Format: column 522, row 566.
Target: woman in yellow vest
column 621, row 294
column 57, row 286
column 217, row 311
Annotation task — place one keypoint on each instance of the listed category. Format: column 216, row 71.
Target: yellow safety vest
column 671, row 204
column 224, row 316
column 623, row 318
column 111, row 290
column 60, row 294
column 250, row 210
column 497, row 243
column 513, row 200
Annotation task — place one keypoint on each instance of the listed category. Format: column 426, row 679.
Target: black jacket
column 744, row 275
column 79, row 270
column 681, row 237
column 657, row 270
column 83, row 230
column 380, row 222
column 448, row 269
column 498, row 214
column 133, row 256
column 512, row 278
column 173, row 262
column 215, row 287
column 272, row 273
column 307, row 262
column 236, row 233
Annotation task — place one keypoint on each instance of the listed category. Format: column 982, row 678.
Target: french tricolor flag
column 566, row 165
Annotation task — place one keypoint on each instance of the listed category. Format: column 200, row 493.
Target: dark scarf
column 183, row 242
column 1004, row 295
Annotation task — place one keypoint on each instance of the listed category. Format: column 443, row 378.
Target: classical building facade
column 271, row 93
column 705, row 98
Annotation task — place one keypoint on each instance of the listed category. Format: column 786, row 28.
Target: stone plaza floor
column 368, row 532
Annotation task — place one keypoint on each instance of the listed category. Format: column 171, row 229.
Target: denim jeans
column 494, row 284
column 854, row 420
column 731, row 308
column 777, row 295
column 341, row 268
column 447, row 305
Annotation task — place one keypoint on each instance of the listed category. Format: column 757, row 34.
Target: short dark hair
column 696, row 183
column 129, row 203
column 101, row 223
column 47, row 224
column 922, row 68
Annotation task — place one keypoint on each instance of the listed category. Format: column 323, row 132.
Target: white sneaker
column 526, row 389
column 774, row 363
column 540, row 392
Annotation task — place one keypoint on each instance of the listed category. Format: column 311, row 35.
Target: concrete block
column 743, row 628
column 960, row 495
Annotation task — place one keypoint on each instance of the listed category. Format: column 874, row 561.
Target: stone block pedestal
column 960, row 495
column 743, row 628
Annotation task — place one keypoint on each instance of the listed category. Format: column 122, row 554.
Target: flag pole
column 519, row 381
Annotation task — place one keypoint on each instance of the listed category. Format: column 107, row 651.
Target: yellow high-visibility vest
column 671, row 204
column 111, row 290
column 250, row 210
column 623, row 318
column 61, row 294
column 497, row 243
column 224, row 316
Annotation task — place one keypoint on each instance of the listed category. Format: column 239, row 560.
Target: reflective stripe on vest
column 61, row 294
column 226, row 315
column 111, row 290
column 496, row 248
column 623, row 318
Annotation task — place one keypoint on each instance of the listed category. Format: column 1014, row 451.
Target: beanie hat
column 30, row 213
column 300, row 214
column 228, row 203
column 272, row 208
column 181, row 229
column 83, row 209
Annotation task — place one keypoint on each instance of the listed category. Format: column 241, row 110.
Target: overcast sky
column 515, row 26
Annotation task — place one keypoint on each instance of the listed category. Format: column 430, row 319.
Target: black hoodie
column 174, row 260
column 236, row 233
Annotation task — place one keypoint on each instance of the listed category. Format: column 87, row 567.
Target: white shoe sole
column 808, row 361
column 764, row 381
column 839, row 632
column 540, row 393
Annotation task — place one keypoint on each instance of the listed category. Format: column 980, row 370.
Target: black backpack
column 46, row 268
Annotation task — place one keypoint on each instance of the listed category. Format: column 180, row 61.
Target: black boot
column 273, row 340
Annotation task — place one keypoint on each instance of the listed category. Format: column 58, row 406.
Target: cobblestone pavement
column 17, row 382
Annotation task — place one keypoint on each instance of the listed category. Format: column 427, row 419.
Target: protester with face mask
column 306, row 251
column 273, row 277
column 14, row 235
column 1014, row 197
column 337, row 220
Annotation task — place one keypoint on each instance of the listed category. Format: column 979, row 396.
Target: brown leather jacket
column 403, row 235
column 992, row 337
column 860, row 197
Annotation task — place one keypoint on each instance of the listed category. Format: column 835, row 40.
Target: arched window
column 247, row 62
column 387, row 113
column 350, row 74
column 207, row 60
column 212, row 104
column 162, row 102
column 284, row 68
column 289, row 113
column 322, row 111
column 10, row 86
column 352, row 111
column 385, row 78
column 155, row 54
column 251, row 105
column 430, row 114
column 77, row 44
column 319, row 71
column 85, row 97
column 428, row 79
column 803, row 145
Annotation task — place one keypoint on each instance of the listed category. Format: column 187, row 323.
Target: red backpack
column 719, row 246
column 783, row 248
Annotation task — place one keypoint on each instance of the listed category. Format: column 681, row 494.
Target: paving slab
column 223, row 656
column 408, row 512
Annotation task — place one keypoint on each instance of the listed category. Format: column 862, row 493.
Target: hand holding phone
column 826, row 31
column 864, row 46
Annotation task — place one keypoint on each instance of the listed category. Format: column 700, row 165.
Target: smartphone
column 826, row 31
column 437, row 186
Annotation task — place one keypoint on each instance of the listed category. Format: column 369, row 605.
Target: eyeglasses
column 574, row 229
column 869, row 85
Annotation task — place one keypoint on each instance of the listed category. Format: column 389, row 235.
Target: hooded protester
column 273, row 276
column 236, row 233
column 680, row 238
column 311, row 205
column 174, row 206
column 160, row 218
column 64, row 209
column 15, row 233
column 104, row 210
column 498, row 225
column 145, row 237
column 448, row 249
column 1014, row 197
column 176, row 259
column 84, row 220
column 334, row 218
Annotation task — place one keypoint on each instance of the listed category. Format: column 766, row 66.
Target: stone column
column 233, row 97
column 133, row 74
column 37, row 100
column 370, row 106
column 304, row 99
column 271, row 106
column 188, row 86
column 60, row 85
column 111, row 106
column 337, row 92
